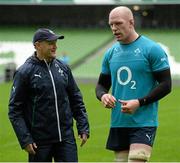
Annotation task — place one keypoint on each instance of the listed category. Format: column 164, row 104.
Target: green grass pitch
column 166, row 147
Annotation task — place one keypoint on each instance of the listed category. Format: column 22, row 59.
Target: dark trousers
column 60, row 152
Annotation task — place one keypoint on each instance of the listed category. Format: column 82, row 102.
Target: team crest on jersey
column 59, row 70
column 137, row 52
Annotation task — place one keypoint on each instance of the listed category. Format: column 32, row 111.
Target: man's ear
column 37, row 45
column 131, row 21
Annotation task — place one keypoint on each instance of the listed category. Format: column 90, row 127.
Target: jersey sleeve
column 105, row 63
column 158, row 58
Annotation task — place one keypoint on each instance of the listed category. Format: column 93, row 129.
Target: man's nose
column 55, row 46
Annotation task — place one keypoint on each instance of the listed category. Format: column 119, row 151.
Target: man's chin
column 53, row 56
column 118, row 38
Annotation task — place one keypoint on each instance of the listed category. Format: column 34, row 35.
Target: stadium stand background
column 69, row 13
column 85, row 15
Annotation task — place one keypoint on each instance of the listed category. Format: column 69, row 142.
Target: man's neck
column 135, row 36
column 132, row 37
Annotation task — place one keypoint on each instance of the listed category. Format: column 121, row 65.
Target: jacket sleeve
column 17, row 104
column 77, row 106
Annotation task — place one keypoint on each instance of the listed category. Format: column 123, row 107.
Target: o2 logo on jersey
column 128, row 79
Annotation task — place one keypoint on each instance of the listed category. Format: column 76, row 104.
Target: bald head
column 121, row 22
column 122, row 11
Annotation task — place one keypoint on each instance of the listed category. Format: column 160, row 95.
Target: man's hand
column 30, row 148
column 108, row 100
column 129, row 106
column 83, row 138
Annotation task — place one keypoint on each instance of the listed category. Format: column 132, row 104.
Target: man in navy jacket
column 43, row 102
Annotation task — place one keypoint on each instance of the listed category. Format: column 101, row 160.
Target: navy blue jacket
column 43, row 102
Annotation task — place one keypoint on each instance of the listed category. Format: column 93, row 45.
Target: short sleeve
column 105, row 63
column 158, row 58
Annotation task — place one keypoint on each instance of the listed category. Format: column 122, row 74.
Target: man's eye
column 118, row 24
column 111, row 25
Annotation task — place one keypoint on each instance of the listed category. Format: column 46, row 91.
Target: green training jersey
column 131, row 67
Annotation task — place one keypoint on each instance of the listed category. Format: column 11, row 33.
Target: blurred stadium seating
column 77, row 44
column 85, row 26
column 87, row 13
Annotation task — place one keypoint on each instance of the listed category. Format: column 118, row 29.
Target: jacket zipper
column 56, row 105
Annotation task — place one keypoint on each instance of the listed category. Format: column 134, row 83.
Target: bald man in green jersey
column 138, row 71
